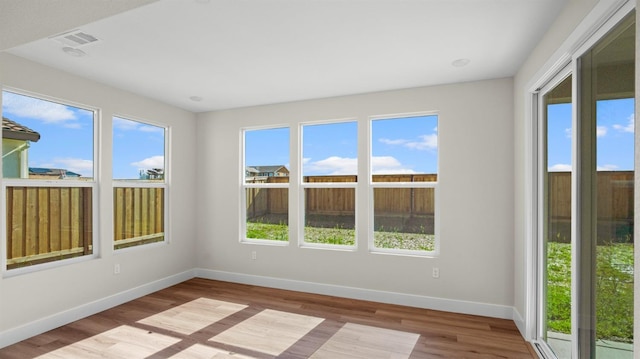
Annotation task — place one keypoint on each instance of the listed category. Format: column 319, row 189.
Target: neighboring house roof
column 252, row 170
column 271, row 169
column 55, row 172
column 15, row 131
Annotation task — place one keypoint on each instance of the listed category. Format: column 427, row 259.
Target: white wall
column 28, row 300
column 476, row 188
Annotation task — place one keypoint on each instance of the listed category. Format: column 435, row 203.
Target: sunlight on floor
column 269, row 332
column 193, row 316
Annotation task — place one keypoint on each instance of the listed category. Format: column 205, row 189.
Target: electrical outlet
column 254, row 255
column 116, row 268
column 436, row 272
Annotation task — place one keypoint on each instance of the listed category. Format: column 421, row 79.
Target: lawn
column 614, row 290
column 343, row 236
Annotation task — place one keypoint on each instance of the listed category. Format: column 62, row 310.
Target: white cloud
column 77, row 165
column 124, row 124
column 130, row 125
column 387, row 141
column 601, row 131
column 425, row 142
column 629, row 127
column 560, row 167
column 567, row 132
column 45, row 111
column 333, row 165
column 388, row 165
column 607, row 167
column 151, row 162
column 150, row 128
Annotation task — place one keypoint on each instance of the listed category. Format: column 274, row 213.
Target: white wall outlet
column 254, row 255
column 116, row 268
column 436, row 272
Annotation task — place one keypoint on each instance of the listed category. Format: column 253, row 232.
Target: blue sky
column 66, row 138
column 615, row 140
column 405, row 145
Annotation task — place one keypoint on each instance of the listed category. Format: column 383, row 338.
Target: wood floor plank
column 182, row 322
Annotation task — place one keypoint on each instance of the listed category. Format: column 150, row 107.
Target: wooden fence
column 44, row 224
column 341, row 201
column 138, row 216
column 614, row 206
column 47, row 223
column 615, row 196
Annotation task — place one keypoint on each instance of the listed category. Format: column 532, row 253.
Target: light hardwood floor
column 202, row 318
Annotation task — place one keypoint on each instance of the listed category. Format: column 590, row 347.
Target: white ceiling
column 238, row 53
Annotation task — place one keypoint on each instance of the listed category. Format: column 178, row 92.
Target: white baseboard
column 39, row 326
column 517, row 318
column 449, row 305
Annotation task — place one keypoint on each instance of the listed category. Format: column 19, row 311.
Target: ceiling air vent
column 75, row 38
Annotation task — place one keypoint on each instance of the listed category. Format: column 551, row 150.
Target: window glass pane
column 404, row 146
column 330, row 150
column 138, row 150
column 266, row 162
column 46, row 224
column 615, row 212
column 330, row 216
column 266, row 155
column 404, row 218
column 557, row 218
column 138, row 216
column 267, row 213
column 404, row 151
column 606, row 207
column 45, row 140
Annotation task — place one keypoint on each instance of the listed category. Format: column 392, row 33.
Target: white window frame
column 244, row 186
column 373, row 185
column 129, row 183
column 70, row 183
column 304, row 185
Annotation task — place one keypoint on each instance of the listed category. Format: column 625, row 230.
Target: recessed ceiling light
column 73, row 52
column 196, row 98
column 460, row 62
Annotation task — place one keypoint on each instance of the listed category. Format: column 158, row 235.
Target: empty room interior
column 384, row 169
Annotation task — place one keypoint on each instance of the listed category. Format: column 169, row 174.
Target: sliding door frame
column 607, row 15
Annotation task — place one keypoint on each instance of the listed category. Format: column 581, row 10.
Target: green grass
column 393, row 238
column 336, row 235
column 343, row 236
column 614, row 290
column 272, row 232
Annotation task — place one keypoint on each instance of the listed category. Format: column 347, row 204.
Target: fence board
column 44, row 243
column 55, row 219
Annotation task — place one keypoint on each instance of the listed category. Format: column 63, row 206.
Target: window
column 48, row 163
column 329, row 177
column 404, row 181
column 139, row 172
column 266, row 185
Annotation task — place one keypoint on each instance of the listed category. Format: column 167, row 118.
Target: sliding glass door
column 586, row 171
